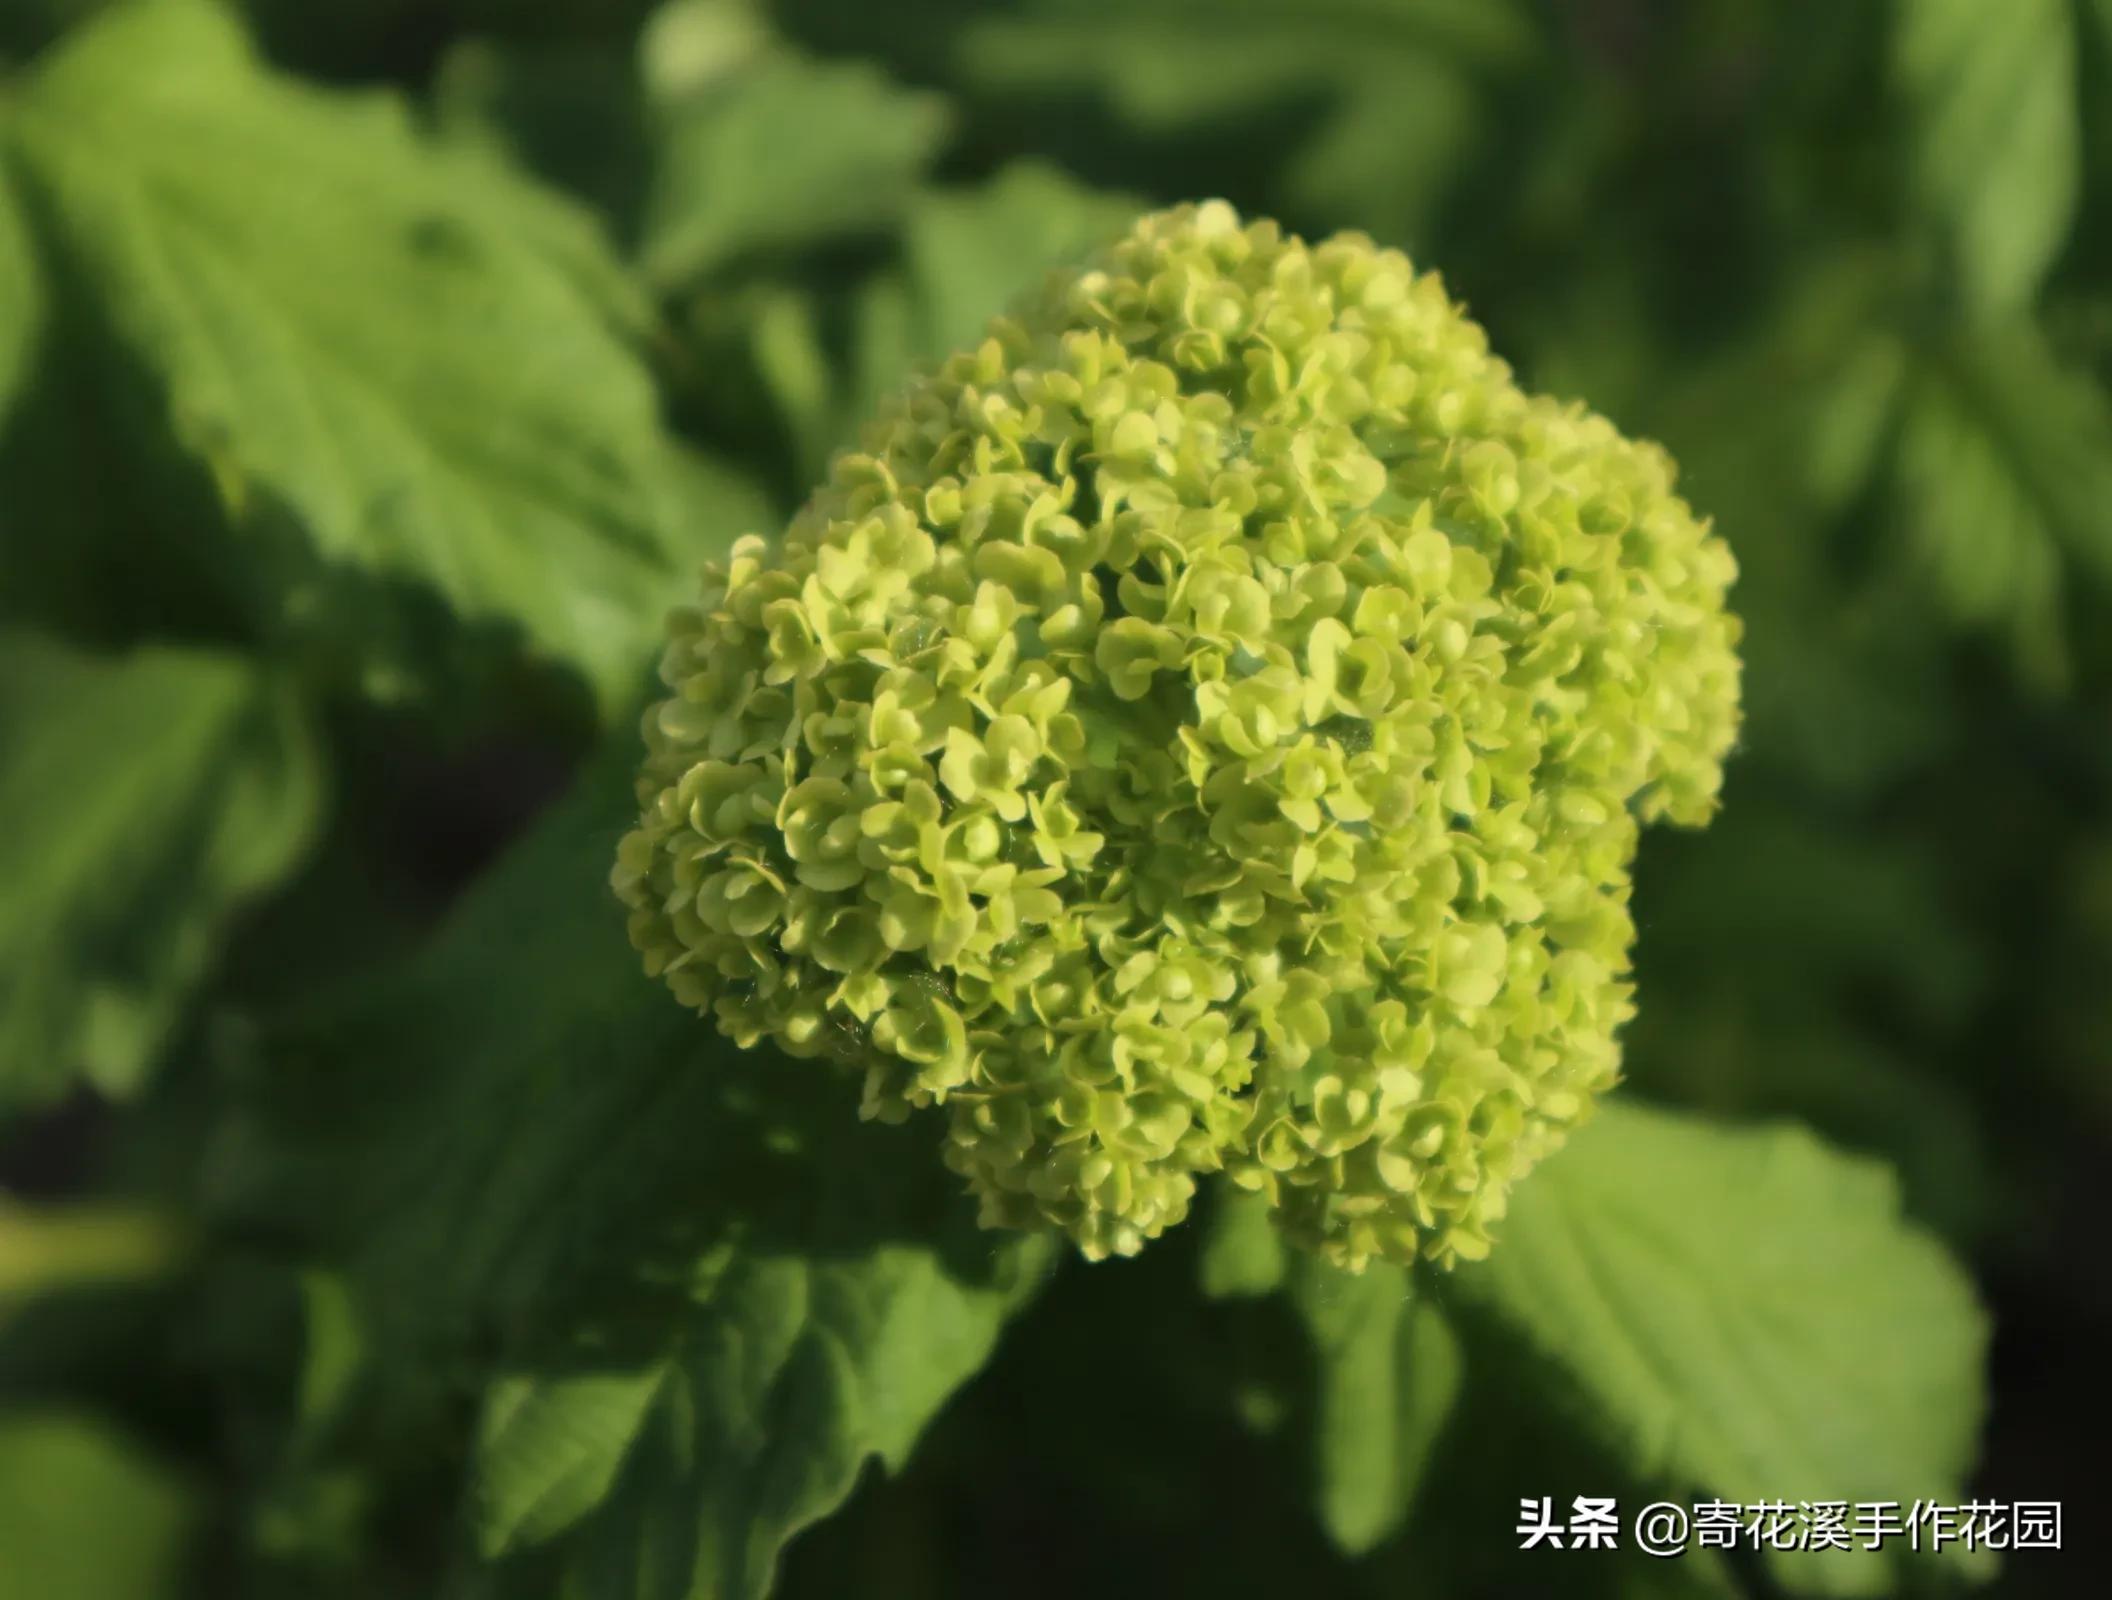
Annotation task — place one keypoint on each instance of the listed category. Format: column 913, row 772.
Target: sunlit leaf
column 548, row 1450
column 711, row 1292
column 401, row 366
column 1748, row 1314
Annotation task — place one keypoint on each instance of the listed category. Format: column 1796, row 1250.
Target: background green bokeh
column 1851, row 263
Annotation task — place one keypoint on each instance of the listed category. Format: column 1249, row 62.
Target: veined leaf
column 1991, row 96
column 1747, row 1313
column 548, row 1449
column 712, row 1292
column 143, row 798
column 400, row 364
column 791, row 1371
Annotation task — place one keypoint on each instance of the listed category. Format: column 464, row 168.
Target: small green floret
column 1203, row 729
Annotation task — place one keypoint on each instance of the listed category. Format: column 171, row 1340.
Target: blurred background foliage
column 1851, row 262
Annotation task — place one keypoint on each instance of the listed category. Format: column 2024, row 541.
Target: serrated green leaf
column 1389, row 1371
column 844, row 147
column 401, row 365
column 517, row 1143
column 787, row 1378
column 1747, row 1313
column 1990, row 93
column 84, row 1515
column 144, row 798
column 548, row 1450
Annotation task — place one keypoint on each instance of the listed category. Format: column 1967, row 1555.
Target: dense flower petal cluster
column 1203, row 729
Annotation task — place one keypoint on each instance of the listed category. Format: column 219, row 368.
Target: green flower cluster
column 1203, row 729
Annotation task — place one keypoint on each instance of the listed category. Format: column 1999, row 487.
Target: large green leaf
column 84, row 1515
column 405, row 368
column 142, row 800
column 1990, row 92
column 788, row 1374
column 675, row 1269
column 1747, row 1314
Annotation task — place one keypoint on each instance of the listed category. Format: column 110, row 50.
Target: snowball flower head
column 1202, row 729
